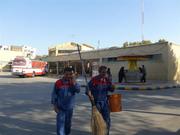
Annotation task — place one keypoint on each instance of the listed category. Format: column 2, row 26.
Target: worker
column 99, row 86
column 63, row 100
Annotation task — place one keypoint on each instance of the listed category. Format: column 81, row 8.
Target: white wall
column 8, row 56
column 174, row 63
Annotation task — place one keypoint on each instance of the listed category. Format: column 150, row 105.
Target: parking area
column 25, row 109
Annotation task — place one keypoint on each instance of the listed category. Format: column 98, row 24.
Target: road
column 25, row 109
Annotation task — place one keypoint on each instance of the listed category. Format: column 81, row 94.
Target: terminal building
column 161, row 60
column 67, row 48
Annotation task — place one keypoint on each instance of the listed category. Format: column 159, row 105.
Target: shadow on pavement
column 25, row 109
column 7, row 76
column 158, row 131
column 10, row 126
column 79, row 132
column 148, row 112
column 144, row 100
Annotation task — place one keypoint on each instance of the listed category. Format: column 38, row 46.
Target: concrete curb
column 146, row 87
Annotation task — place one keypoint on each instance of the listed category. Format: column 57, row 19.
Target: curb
column 143, row 87
column 147, row 88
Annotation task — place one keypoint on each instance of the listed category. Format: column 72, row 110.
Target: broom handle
column 83, row 69
column 85, row 76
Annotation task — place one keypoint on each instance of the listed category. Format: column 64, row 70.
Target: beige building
column 162, row 60
column 8, row 53
column 16, row 48
column 66, row 48
column 6, row 57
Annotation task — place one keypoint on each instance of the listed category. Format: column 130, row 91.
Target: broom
column 98, row 125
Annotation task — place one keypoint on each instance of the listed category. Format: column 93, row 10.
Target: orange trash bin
column 115, row 102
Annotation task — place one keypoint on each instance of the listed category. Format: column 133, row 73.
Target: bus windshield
column 19, row 62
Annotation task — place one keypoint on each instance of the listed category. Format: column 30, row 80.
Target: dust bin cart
column 115, row 103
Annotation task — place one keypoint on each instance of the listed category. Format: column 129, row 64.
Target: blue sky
column 42, row 23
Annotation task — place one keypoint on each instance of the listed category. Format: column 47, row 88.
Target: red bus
column 23, row 67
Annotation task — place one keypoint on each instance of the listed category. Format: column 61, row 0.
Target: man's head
column 102, row 71
column 68, row 73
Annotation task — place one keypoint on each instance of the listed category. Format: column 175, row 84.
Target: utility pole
column 100, row 59
column 142, row 20
column 98, row 44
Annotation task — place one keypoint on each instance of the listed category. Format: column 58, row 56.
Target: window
column 112, row 59
column 65, row 51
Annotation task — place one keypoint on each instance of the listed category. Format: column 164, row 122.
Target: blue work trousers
column 103, row 108
column 63, row 120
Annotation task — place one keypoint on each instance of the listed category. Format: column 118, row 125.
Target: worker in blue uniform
column 63, row 100
column 99, row 86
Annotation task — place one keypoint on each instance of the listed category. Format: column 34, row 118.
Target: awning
column 134, row 57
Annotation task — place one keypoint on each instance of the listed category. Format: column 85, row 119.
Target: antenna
column 98, row 44
column 72, row 36
column 98, row 53
column 142, row 20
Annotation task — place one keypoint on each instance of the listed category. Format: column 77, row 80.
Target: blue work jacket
column 63, row 95
column 99, row 87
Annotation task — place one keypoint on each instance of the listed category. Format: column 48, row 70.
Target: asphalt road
column 25, row 109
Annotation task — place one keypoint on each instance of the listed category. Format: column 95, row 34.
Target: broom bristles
column 98, row 124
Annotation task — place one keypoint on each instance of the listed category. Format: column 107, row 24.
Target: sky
column 43, row 23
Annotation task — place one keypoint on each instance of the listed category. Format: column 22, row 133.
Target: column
column 57, row 68
column 100, row 61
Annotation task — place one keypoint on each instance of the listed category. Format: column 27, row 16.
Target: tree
column 125, row 44
column 162, row 40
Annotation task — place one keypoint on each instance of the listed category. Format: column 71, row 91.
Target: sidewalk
column 149, row 85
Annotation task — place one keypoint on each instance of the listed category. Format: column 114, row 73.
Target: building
column 29, row 51
column 162, row 60
column 66, row 48
column 4, row 48
column 8, row 53
column 16, row 48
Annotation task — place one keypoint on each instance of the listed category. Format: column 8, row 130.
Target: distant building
column 162, row 60
column 8, row 53
column 16, row 48
column 4, row 48
column 29, row 51
column 66, row 48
